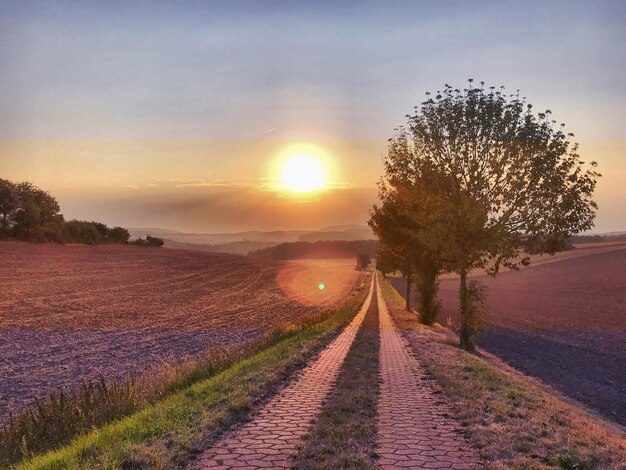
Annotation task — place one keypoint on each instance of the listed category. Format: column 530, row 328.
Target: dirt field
column 563, row 321
column 69, row 313
column 301, row 280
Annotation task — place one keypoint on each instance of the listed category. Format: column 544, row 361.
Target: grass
column 515, row 423
column 55, row 420
column 344, row 435
column 168, row 432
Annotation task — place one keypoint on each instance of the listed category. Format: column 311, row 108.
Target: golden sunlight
column 303, row 168
column 303, row 173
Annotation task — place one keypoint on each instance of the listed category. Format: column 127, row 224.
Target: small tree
column 81, row 231
column 362, row 261
column 398, row 223
column 386, row 261
column 503, row 180
column 8, row 206
column 34, row 209
column 118, row 235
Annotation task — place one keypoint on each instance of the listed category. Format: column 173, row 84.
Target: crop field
column 562, row 320
column 70, row 313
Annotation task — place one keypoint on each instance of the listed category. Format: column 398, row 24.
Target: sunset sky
column 178, row 114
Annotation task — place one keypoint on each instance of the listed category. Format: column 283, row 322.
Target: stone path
column 415, row 429
column 272, row 436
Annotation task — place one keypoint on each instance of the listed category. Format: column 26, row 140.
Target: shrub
column 148, row 241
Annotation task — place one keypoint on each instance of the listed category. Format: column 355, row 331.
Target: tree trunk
column 408, row 294
column 466, row 321
column 427, row 288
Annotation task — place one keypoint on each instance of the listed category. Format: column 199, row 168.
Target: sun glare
column 302, row 168
column 303, row 172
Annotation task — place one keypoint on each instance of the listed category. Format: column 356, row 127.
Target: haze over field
column 182, row 118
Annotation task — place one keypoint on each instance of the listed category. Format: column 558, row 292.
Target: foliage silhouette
column 492, row 181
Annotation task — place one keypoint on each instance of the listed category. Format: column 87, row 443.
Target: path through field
column 415, row 427
column 271, row 437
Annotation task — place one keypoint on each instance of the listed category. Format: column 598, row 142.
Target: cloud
column 219, row 206
column 214, row 184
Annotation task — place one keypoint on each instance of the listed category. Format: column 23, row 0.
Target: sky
column 173, row 114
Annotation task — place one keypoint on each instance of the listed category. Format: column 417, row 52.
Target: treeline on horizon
column 620, row 237
column 328, row 249
column 28, row 213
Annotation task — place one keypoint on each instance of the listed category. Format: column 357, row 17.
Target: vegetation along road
column 413, row 421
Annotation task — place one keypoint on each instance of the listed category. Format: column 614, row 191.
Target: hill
column 248, row 241
column 236, row 248
column 338, row 249
column 350, row 235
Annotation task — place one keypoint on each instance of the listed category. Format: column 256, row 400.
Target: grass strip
column 169, row 432
column 514, row 422
column 344, row 435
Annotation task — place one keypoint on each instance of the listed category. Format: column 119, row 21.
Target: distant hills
column 327, row 249
column 235, row 248
column 245, row 242
column 260, row 242
column 363, row 233
column 603, row 237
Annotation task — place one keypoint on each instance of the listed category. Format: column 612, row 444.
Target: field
column 562, row 320
column 70, row 313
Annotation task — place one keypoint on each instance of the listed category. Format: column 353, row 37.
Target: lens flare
column 321, row 286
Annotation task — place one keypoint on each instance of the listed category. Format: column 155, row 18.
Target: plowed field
column 69, row 313
column 563, row 320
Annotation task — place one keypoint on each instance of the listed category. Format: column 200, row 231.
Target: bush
column 80, row 231
column 149, row 241
column 30, row 214
column 118, row 235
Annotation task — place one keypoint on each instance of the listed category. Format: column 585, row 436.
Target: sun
column 303, row 172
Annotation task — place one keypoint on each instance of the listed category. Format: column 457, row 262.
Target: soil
column 562, row 321
column 72, row 313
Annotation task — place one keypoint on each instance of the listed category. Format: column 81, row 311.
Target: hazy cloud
column 208, row 207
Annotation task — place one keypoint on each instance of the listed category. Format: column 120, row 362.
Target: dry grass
column 512, row 421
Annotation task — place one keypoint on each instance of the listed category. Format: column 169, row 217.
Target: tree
column 362, row 261
column 34, row 209
column 502, row 181
column 149, row 241
column 8, row 206
column 386, row 261
column 31, row 214
column 102, row 229
column 81, row 231
column 395, row 254
column 398, row 223
column 118, row 235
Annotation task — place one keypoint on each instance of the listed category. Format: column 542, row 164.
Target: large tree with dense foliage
column 502, row 182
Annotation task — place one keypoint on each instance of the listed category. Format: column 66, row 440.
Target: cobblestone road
column 415, row 429
column 272, row 436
